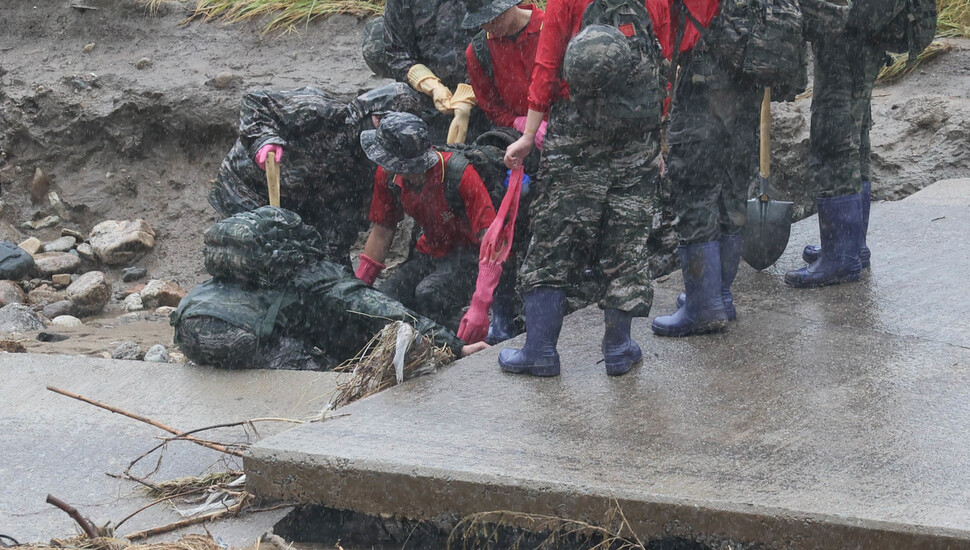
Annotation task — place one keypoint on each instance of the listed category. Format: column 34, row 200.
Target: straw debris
column 188, row 542
column 901, row 65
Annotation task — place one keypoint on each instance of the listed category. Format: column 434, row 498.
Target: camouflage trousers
column 713, row 140
column 438, row 288
column 595, row 208
column 845, row 72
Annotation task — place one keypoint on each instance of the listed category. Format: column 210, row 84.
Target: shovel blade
column 766, row 231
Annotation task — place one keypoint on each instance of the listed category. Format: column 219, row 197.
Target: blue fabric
column 703, row 309
column 620, row 351
column 840, row 230
column 544, row 310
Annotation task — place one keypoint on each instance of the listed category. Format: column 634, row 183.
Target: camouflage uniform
column 595, row 206
column 324, row 175
column 846, row 68
column 438, row 288
column 713, row 140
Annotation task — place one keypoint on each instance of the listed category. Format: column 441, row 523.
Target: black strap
column 483, row 54
column 454, row 169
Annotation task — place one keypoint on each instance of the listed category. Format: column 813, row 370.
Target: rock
column 44, row 296
column 130, row 274
column 157, row 354
column 162, row 293
column 39, row 185
column 88, row 48
column 12, row 346
column 32, row 245
column 44, row 223
column 176, row 357
column 130, row 317
column 133, row 303
column 86, row 252
column 61, row 279
column 90, row 293
column 164, row 311
column 15, row 262
column 11, row 293
column 62, row 244
column 51, row 263
column 59, row 308
column 19, row 318
column 78, row 236
column 66, row 321
column 120, row 242
column 127, row 350
column 226, row 80
column 45, row 336
column 144, row 63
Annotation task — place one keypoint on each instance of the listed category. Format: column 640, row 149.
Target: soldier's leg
column 373, row 47
column 444, row 292
column 400, row 285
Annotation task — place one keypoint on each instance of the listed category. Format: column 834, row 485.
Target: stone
column 157, row 354
column 130, row 274
column 176, row 357
column 43, row 223
column 133, row 303
column 51, row 263
column 226, row 80
column 58, row 205
column 66, row 321
column 19, row 318
column 11, row 293
column 144, row 63
column 164, row 311
column 45, row 336
column 129, row 317
column 44, row 296
column 127, row 350
column 61, row 279
column 90, row 293
column 78, row 236
column 61, row 244
column 39, row 185
column 86, row 252
column 15, row 262
column 162, row 293
column 88, row 48
column 32, row 245
column 120, row 242
column 59, row 308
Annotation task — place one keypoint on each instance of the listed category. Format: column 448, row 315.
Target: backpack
column 640, row 99
column 759, row 40
column 264, row 247
column 482, row 54
column 899, row 26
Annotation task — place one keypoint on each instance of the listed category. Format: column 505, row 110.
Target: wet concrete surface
column 827, row 418
column 54, row 444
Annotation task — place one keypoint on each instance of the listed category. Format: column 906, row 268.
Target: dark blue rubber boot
column 840, row 229
column 731, row 246
column 501, row 327
column 703, row 310
column 544, row 310
column 620, row 351
column 811, row 252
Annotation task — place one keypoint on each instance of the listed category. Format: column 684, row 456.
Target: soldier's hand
column 516, row 153
column 442, row 99
column 473, row 348
column 264, row 152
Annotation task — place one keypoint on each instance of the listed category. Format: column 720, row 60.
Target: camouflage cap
column 397, row 96
column 597, row 57
column 479, row 12
column 401, row 144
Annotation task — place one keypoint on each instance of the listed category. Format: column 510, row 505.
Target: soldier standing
column 324, row 174
column 600, row 176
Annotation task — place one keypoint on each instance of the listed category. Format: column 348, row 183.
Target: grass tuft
column 954, row 18
column 901, row 66
column 284, row 15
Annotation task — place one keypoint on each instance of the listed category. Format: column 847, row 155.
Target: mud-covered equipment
column 761, row 41
column 609, row 84
column 899, row 26
column 262, row 247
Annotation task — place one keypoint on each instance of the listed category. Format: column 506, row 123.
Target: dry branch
column 89, row 529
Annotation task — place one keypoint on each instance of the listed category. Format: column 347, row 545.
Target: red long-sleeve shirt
column 564, row 18
column 507, row 95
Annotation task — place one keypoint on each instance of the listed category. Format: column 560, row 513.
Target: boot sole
column 707, row 328
column 542, row 372
column 612, row 371
column 796, row 283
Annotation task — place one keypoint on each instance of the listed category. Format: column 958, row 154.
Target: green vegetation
column 954, row 18
column 284, row 15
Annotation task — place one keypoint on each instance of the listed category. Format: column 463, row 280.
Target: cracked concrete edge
column 430, row 494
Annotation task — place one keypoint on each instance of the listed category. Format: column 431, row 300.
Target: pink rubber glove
column 519, row 123
column 265, row 150
column 368, row 270
column 540, row 135
column 474, row 325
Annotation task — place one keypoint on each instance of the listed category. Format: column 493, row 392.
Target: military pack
column 638, row 97
column 262, row 247
column 900, row 26
column 761, row 41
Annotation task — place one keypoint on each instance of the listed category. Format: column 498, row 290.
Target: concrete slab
column 53, row 444
column 829, row 418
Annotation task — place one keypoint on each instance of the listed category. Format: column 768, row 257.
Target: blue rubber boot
column 811, row 252
column 502, row 327
column 840, row 229
column 731, row 246
column 703, row 310
column 620, row 351
column 544, row 310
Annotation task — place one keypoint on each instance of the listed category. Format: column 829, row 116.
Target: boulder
column 120, row 242
column 130, row 274
column 67, row 232
column 127, row 350
column 15, row 262
column 51, row 263
column 86, row 251
column 157, row 354
column 32, row 245
column 59, row 308
column 62, row 244
column 43, row 296
column 161, row 293
column 90, row 293
column 11, row 293
column 19, row 318
column 133, row 303
column 66, row 321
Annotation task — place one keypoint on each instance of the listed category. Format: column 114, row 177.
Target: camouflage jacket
column 428, row 32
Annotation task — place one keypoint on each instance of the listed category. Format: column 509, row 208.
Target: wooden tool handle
column 273, row 179
column 765, row 153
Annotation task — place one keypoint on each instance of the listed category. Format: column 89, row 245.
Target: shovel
column 273, row 180
column 768, row 223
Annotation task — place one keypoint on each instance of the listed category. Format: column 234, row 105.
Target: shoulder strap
column 454, row 169
column 483, row 54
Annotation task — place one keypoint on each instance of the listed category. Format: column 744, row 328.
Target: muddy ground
column 120, row 109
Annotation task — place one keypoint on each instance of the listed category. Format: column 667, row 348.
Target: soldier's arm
column 260, row 122
column 399, row 43
column 379, row 242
